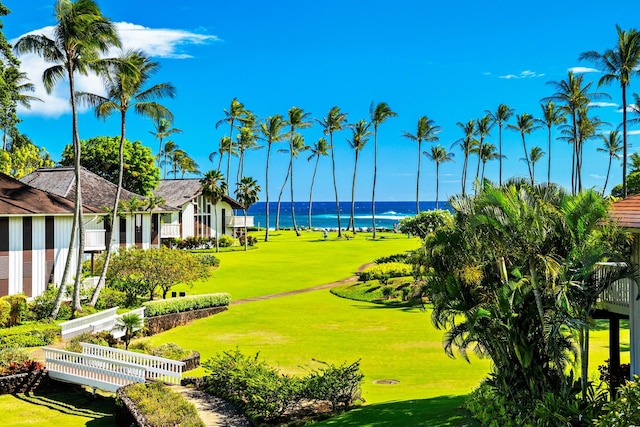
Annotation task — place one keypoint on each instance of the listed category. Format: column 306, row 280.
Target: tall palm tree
column 184, row 163
column 619, row 63
column 612, row 146
column 298, row 119
column 124, row 81
column 162, row 125
column 426, row 131
column 359, row 136
column 247, row 139
column 466, row 144
column 320, row 148
column 233, row 114
column 81, row 34
column 501, row 115
column 297, row 147
column 224, row 147
column 379, row 113
column 334, row 122
column 214, row 187
column 525, row 124
column 271, row 130
column 551, row 116
column 168, row 154
column 20, row 85
column 483, row 127
column 488, row 153
column 534, row 156
column 439, row 155
column 247, row 194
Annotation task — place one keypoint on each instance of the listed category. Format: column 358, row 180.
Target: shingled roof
column 627, row 212
column 96, row 191
column 177, row 192
column 18, row 198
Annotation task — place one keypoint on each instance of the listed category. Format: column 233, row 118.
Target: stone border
column 24, row 383
column 192, row 362
column 164, row 322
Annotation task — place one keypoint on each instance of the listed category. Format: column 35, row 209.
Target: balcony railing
column 170, row 230
column 617, row 296
column 94, row 240
column 238, row 221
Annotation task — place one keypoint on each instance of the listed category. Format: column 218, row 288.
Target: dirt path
column 352, row 279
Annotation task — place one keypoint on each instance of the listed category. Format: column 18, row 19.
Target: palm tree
column 224, row 147
column 129, row 323
column 466, row 144
column 18, row 83
column 533, row 157
column 612, row 146
column 81, row 34
column 124, row 80
column 502, row 114
column 247, row 194
column 525, row 125
column 379, row 113
column 168, row 152
column 235, row 112
column 359, row 136
column 214, row 188
column 184, row 163
column 162, row 129
column 319, row 149
column 298, row 147
column 271, row 133
column 619, row 63
column 488, row 153
column 246, row 139
column 426, row 131
column 334, row 122
column 483, row 126
column 439, row 155
column 552, row 116
column 297, row 120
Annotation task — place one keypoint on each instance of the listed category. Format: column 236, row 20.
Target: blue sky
column 450, row 61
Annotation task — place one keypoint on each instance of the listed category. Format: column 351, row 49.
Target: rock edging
column 24, row 383
column 164, row 322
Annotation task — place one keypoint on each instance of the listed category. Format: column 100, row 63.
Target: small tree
column 247, row 194
column 130, row 323
column 426, row 222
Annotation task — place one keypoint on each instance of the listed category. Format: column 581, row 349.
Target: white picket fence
column 102, row 321
column 96, row 372
column 155, row 368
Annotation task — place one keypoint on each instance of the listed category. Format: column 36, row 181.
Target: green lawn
column 289, row 332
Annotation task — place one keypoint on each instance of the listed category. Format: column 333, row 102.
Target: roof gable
column 627, row 212
column 177, row 192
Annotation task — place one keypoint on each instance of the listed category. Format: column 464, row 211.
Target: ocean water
column 324, row 214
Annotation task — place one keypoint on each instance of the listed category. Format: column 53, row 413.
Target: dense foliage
column 21, row 160
column 426, row 222
column 385, row 271
column 29, row 335
column 516, row 271
column 100, row 156
column 178, row 305
column 160, row 406
column 623, row 411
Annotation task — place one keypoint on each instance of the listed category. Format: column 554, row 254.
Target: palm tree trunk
column 246, row 238
column 464, row 172
column 526, row 156
column 352, row 222
column 313, row 178
column 624, row 141
column 266, row 189
column 284, row 184
column 418, row 179
column 215, row 219
column 229, row 151
column 114, row 214
column 78, row 199
column 375, row 173
column 607, row 178
column 479, row 158
column 437, row 183
column 67, row 266
column 335, row 184
column 500, row 143
column 549, row 160
column 293, row 209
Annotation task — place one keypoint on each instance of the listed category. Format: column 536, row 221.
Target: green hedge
column 28, row 335
column 178, row 305
column 385, row 271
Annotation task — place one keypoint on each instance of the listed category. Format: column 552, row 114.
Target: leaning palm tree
column 168, row 154
column 359, row 136
column 247, row 194
column 19, row 84
column 162, row 129
column 426, row 131
column 533, row 157
column 619, row 63
column 185, row 164
column 379, row 113
column 334, row 122
column 439, row 155
column 525, row 124
column 466, row 144
column 271, row 130
column 483, row 127
column 488, row 153
column 320, row 148
column 80, row 35
column 552, row 116
column 612, row 146
column 298, row 119
column 124, row 81
column 226, row 146
column 501, row 115
column 233, row 114
column 214, row 188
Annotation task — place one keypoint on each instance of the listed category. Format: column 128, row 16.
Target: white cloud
column 603, row 104
column 596, row 176
column 155, row 42
column 526, row 74
column 580, row 70
column 633, row 132
column 631, row 108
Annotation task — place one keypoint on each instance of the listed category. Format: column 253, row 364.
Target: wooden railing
column 170, row 230
column 155, row 368
column 614, row 298
column 88, row 323
column 92, row 371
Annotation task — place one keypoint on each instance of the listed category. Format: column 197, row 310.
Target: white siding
column 146, row 230
column 634, row 313
column 38, row 256
column 62, row 227
column 187, row 220
column 15, row 256
column 131, row 234
column 115, row 236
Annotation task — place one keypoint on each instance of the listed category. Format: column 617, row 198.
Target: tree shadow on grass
column 436, row 412
column 75, row 401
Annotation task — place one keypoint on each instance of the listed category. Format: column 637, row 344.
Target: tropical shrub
column 623, row 411
column 29, row 335
column 616, row 376
column 41, row 306
column 225, row 241
column 90, row 338
column 178, row 305
column 169, row 351
column 5, row 309
column 426, row 222
column 110, row 297
column 402, row 258
column 162, row 407
column 251, row 240
column 385, row 271
column 18, row 303
column 338, row 384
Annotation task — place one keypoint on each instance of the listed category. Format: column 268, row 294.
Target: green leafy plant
column 385, row 271
column 193, row 302
column 29, row 335
column 623, row 411
column 130, row 323
column 338, row 384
